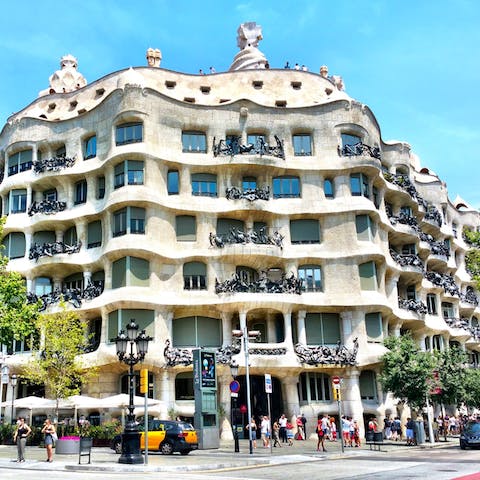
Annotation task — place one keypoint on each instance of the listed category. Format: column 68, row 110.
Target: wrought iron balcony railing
column 237, row 284
column 38, row 250
column 469, row 297
column 250, row 194
column 445, row 281
column 236, row 236
column 404, row 219
column 403, row 181
column 437, row 248
column 48, row 207
column 326, row 355
column 407, row 259
column 416, row 306
column 463, row 324
column 53, row 164
column 232, row 147
column 433, row 215
column 358, row 149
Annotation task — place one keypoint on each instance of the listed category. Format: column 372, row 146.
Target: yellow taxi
column 168, row 436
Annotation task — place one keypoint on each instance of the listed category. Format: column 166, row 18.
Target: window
column 194, row 142
column 322, row 328
column 90, row 148
column 373, row 325
column 19, row 162
column 172, row 182
column 50, row 195
column 129, row 133
column 359, row 185
column 249, row 183
column 302, row 144
column 286, row 187
column 204, row 184
column 43, row 237
column 18, row 201
column 431, row 303
column 365, row 228
column 119, row 319
column 474, row 322
column 409, row 249
column 304, row 231
column 368, row 385
column 376, row 197
column 128, row 220
column 454, row 229
column 256, row 139
column 448, row 310
column 14, row 244
column 186, row 228
column 61, row 152
column 328, row 188
column 246, row 274
column 428, row 344
column 130, row 272
column 129, row 172
column 94, row 234
column 195, row 276
column 406, row 211
column 315, row 387
column 349, row 140
column 80, row 192
column 100, row 187
column 43, row 286
column 125, row 382
column 70, row 236
column 197, row 331
column 368, row 276
column 411, row 292
column 311, row 276
column 74, row 281
column 184, row 386
column 437, row 342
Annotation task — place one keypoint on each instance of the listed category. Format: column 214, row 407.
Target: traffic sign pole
column 336, row 383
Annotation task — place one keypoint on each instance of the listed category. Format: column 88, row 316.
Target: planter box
column 101, row 442
column 67, row 447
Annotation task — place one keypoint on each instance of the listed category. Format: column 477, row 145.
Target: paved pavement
column 104, row 459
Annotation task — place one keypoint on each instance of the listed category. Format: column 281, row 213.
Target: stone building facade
column 259, row 199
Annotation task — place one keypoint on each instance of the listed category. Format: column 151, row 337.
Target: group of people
column 327, row 430
column 23, row 431
column 211, row 70
column 296, row 67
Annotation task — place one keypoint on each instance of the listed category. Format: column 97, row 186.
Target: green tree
column 58, row 362
column 407, row 370
column 17, row 316
column 472, row 387
column 472, row 257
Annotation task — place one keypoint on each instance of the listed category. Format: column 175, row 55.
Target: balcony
column 326, row 355
column 238, row 284
column 416, row 306
column 469, row 297
column 445, row 281
column 232, row 147
column 48, row 207
column 359, row 149
column 463, row 324
column 49, row 249
column 404, row 219
column 433, row 215
column 407, row 259
column 53, row 164
column 250, row 194
column 404, row 183
column 437, row 248
column 237, row 236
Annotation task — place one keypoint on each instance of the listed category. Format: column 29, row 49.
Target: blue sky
column 415, row 63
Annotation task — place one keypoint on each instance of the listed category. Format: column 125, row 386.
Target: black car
column 166, row 436
column 470, row 436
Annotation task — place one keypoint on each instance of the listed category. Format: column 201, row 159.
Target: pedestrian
column 321, row 436
column 212, row 70
column 275, row 437
column 287, row 65
column 20, row 438
column 265, row 431
column 304, row 68
column 289, row 430
column 297, row 66
column 387, row 425
column 302, row 416
column 356, row 433
column 200, row 72
column 252, row 432
column 267, row 65
column 333, row 430
column 49, row 431
column 410, row 434
column 282, row 421
column 345, row 430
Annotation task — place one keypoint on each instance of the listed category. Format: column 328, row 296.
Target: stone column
column 287, row 319
column 421, row 339
column 224, row 380
column 226, row 328
column 352, row 401
column 290, row 395
column 302, row 333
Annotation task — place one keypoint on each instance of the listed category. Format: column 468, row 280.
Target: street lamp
column 13, row 381
column 233, row 415
column 131, row 436
column 246, row 335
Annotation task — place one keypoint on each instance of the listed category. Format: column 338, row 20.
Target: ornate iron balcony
column 232, row 147
column 250, row 194
column 74, row 296
column 325, row 355
column 50, row 249
column 404, row 219
column 416, row 306
column 445, row 281
column 358, row 149
column 262, row 285
column 438, row 248
column 239, row 236
column 469, row 297
column 464, row 324
column 48, row 207
column 407, row 259
column 53, row 164
column 403, row 181
column 433, row 215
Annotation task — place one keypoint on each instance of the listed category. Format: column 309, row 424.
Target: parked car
column 166, row 436
column 470, row 436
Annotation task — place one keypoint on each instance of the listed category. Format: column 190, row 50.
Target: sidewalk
column 104, row 459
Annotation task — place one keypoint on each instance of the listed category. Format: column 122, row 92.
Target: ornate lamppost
column 131, row 356
column 13, row 381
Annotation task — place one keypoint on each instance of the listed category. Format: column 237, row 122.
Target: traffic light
column 144, row 380
column 336, row 394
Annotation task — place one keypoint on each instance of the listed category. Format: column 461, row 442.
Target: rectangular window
column 130, row 272
column 135, row 172
column 100, row 187
column 409, row 249
column 304, row 231
column 194, row 142
column 15, row 245
column 322, row 328
column 249, row 183
column 119, row 172
column 80, row 192
column 373, row 325
column 256, row 139
column 129, row 133
column 286, row 187
column 94, row 234
column 137, row 220
column 302, row 144
column 204, row 184
column 173, row 182
column 120, row 223
column 50, row 195
column 368, row 276
column 359, row 185
column 406, row 211
column 328, row 188
column 365, row 228
column 448, row 310
column 186, row 228
column 311, row 276
column 90, row 148
column 368, row 385
column 20, row 162
column 18, row 202
column 119, row 319
column 431, row 303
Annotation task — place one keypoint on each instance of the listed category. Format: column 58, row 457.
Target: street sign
column 268, row 383
column 336, row 380
column 234, row 386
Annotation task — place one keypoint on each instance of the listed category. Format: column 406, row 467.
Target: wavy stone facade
column 334, row 239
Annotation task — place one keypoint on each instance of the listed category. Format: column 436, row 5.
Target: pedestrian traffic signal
column 336, row 394
column 144, row 380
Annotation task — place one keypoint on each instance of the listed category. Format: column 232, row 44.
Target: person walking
column 265, row 431
column 20, row 438
column 275, row 437
column 282, row 421
column 321, row 436
column 49, row 431
column 252, row 432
